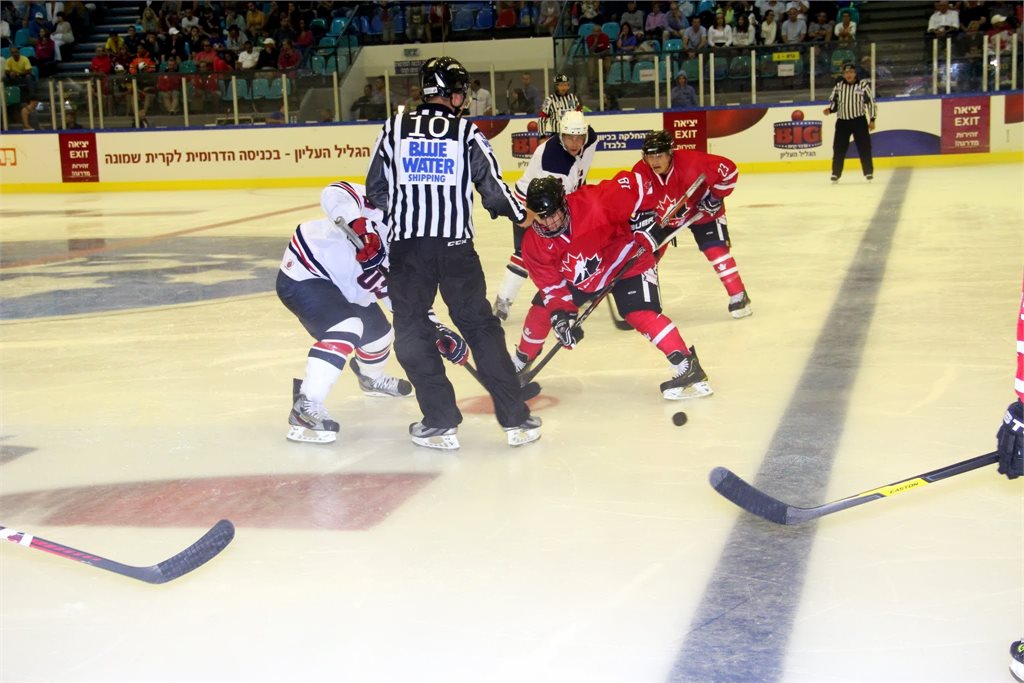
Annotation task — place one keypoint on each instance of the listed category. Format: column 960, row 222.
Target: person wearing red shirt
column 579, row 244
column 101, row 63
column 289, row 57
column 670, row 173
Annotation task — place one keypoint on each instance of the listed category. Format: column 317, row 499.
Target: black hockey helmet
column 546, row 197
column 561, row 78
column 443, row 76
column 657, row 142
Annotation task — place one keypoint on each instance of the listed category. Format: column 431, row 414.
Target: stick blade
column 744, row 495
column 192, row 557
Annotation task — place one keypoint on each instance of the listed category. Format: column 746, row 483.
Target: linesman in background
column 424, row 166
column 556, row 104
column 853, row 101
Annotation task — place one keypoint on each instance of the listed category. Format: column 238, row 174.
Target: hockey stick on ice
column 759, row 503
column 529, row 390
column 192, row 557
column 682, row 203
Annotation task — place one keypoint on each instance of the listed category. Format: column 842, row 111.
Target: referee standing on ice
column 422, row 172
column 556, row 104
column 853, row 101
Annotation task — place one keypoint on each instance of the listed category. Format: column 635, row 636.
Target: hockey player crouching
column 568, row 157
column 333, row 288
column 578, row 245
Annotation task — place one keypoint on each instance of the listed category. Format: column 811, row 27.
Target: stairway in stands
column 898, row 29
column 116, row 17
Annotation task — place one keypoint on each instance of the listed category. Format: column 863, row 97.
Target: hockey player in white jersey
column 567, row 157
column 335, row 290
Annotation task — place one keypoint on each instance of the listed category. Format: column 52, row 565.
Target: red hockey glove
column 372, row 253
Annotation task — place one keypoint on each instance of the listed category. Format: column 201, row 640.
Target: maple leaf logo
column 665, row 204
column 582, row 267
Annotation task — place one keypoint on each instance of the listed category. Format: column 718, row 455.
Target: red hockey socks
column 725, row 267
column 535, row 330
column 659, row 329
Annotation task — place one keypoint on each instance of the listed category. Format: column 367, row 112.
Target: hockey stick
column 756, row 502
column 595, row 302
column 529, row 390
column 192, row 557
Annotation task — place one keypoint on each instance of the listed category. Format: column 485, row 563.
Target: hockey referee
column 557, row 104
column 853, row 101
column 422, row 172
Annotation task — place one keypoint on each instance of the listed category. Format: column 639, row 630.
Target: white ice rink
column 146, row 368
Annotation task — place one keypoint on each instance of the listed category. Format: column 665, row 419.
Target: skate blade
column 296, row 433
column 382, row 394
column 744, row 312
column 521, row 437
column 449, row 442
column 695, row 390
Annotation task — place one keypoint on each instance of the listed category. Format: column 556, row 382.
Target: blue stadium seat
column 338, row 26
column 485, row 19
column 612, row 29
column 673, row 45
column 643, row 65
column 619, row 73
column 463, row 20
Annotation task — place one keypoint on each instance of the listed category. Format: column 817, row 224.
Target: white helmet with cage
column 572, row 123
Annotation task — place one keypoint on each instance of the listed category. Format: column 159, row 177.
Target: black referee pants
column 420, row 267
column 858, row 128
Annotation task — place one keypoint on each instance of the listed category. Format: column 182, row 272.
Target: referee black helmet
column 657, row 142
column 546, row 197
column 443, row 77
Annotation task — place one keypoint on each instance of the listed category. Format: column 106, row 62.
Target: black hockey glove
column 710, row 204
column 564, row 325
column 1010, row 438
column 647, row 232
column 451, row 346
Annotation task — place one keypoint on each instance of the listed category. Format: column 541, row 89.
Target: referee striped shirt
column 424, row 166
column 554, row 106
column 851, row 100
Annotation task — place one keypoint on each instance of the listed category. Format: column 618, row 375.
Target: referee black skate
column 853, row 101
column 422, row 172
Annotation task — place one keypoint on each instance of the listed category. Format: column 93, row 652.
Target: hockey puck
column 679, row 419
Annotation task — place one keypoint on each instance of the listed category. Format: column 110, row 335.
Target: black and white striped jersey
column 850, row 100
column 422, row 172
column 554, row 106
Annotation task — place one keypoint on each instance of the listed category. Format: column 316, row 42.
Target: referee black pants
column 420, row 267
column 858, row 128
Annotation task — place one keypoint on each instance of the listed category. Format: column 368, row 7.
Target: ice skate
column 502, row 307
column 690, row 380
column 525, row 433
column 834, row 179
column 739, row 305
column 310, row 423
column 869, row 177
column 1017, row 660
column 434, row 437
column 385, row 385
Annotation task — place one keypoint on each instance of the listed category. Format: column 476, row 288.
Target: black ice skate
column 739, row 305
column 310, row 423
column 442, row 438
column 690, row 380
column 385, row 385
column 525, row 433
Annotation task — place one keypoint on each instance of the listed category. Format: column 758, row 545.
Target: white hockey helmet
column 572, row 123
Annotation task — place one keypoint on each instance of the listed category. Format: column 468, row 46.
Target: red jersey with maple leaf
column 721, row 174
column 596, row 245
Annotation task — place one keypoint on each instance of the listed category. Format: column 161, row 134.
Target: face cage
column 540, row 226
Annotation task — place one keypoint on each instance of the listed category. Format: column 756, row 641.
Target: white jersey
column 320, row 249
column 551, row 159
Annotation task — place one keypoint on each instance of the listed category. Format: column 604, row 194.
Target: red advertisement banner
column 79, row 162
column 688, row 128
column 966, row 122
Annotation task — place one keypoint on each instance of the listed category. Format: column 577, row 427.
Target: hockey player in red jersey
column 670, row 172
column 578, row 245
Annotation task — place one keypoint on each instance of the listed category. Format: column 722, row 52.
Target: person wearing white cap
column 1000, row 36
column 268, row 55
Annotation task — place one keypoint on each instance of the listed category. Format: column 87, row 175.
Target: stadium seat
column 463, row 20
column 739, row 67
column 260, row 89
column 620, row 72
column 673, row 45
column 242, row 86
column 318, row 65
column 612, row 29
column 691, row 67
column 338, row 26
column 721, row 68
column 12, row 94
column 485, row 19
column 506, row 19
column 585, row 30
column 640, row 66
column 188, row 67
column 21, row 37
column 28, row 52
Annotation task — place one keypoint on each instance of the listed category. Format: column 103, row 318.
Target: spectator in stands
column 974, row 22
column 255, row 19
column 846, row 30
column 168, row 86
column 439, row 20
column 415, row 23
column 122, row 59
column 206, row 89
column 769, row 29
column 235, row 39
column 149, row 20
column 114, row 43
column 696, row 38
column 305, row 39
column 479, row 101
column 249, row 57
column 205, row 53
column 548, row 20
column 361, row 107
column 801, row 7
column 1000, row 37
column 656, row 22
column 233, row 18
column 37, row 24
column 743, row 35
column 944, row 21
column 64, row 37
column 131, row 39
column 268, row 55
column 18, row 71
column 46, row 54
column 589, row 12
column 794, row 29
column 5, row 33
column 777, row 7
column 188, row 20
column 209, row 23
column 176, row 45
column 387, row 20
column 635, row 18
column 157, row 50
column 720, row 35
column 289, row 58
column 821, row 29
column 30, row 114
column 530, row 93
column 675, row 23
column 101, row 62
column 683, row 94
column 169, row 18
column 284, row 31
column 142, row 62
column 626, row 43
column 415, row 98
column 378, row 100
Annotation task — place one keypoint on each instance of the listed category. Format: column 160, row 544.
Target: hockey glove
column 710, row 204
column 564, row 325
column 647, row 232
column 451, row 346
column 1011, row 441
column 371, row 254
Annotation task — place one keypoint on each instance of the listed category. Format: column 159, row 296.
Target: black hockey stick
column 756, row 502
column 682, row 203
column 529, row 390
column 192, row 557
